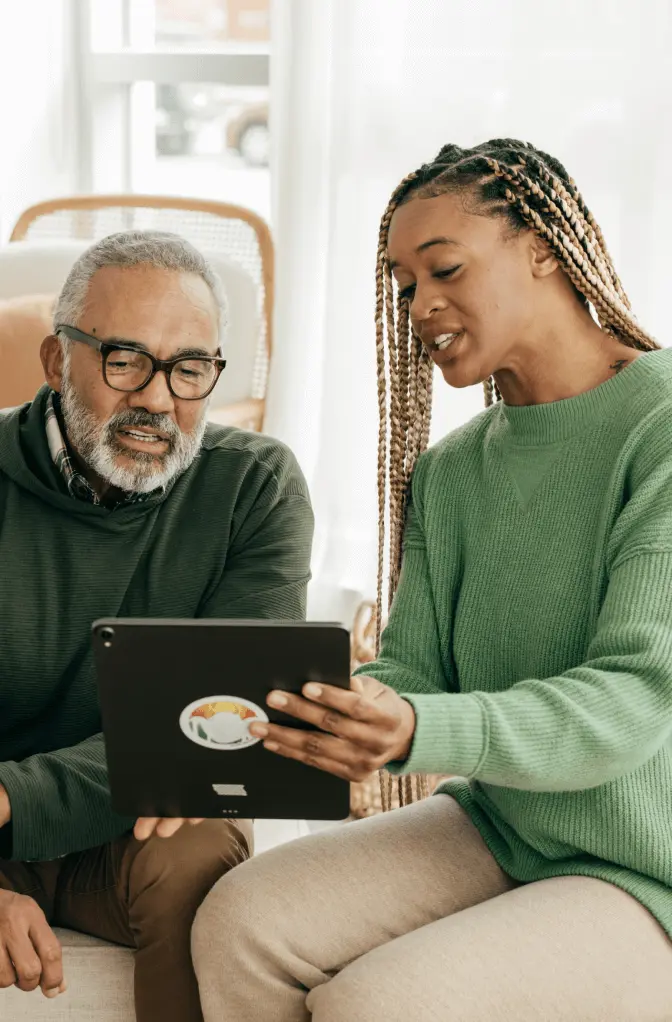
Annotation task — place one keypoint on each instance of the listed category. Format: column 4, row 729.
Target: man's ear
column 51, row 355
column 542, row 260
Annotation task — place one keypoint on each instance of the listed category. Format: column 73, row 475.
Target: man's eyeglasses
column 127, row 368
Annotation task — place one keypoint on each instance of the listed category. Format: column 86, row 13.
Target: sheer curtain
column 364, row 91
column 38, row 133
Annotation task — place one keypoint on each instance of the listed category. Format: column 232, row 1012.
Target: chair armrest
column 247, row 414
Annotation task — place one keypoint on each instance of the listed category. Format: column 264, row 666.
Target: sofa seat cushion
column 100, row 986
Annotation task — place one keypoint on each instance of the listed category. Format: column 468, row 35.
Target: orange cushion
column 24, row 323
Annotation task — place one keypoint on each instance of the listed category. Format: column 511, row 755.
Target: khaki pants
column 407, row 917
column 143, row 895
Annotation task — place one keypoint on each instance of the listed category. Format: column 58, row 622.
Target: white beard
column 98, row 446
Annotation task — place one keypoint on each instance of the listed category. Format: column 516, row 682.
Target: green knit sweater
column 231, row 538
column 532, row 631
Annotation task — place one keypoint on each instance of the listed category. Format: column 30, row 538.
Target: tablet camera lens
column 107, row 634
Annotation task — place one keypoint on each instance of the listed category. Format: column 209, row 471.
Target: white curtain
column 364, row 91
column 38, row 132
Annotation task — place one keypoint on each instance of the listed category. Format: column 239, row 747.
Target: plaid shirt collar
column 77, row 486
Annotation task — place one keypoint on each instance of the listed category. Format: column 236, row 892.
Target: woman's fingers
column 362, row 735
column 323, row 751
column 370, row 705
column 335, row 710
column 330, row 766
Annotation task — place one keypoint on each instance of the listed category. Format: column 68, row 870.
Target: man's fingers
column 161, row 826
column 27, row 964
column 166, row 828
column 8, row 975
column 145, row 827
column 50, row 954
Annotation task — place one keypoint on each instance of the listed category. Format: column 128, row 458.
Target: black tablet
column 177, row 698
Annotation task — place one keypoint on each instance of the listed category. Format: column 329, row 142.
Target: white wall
column 38, row 101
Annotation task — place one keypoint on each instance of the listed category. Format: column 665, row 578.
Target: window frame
column 107, row 75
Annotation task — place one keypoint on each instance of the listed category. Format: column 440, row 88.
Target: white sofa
column 100, row 978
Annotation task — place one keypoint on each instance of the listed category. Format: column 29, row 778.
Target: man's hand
column 30, row 954
column 369, row 726
column 162, row 827
column 5, row 807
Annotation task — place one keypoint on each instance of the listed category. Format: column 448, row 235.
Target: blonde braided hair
column 529, row 190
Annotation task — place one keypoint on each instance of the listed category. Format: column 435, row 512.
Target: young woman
column 528, row 651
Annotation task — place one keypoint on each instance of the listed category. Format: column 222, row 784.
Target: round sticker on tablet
column 221, row 722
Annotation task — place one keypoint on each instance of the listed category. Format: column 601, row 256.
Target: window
column 175, row 98
column 210, row 23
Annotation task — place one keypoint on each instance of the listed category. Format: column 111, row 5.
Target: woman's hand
column 368, row 726
column 162, row 827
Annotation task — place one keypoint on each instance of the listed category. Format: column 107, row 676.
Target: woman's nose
column 425, row 304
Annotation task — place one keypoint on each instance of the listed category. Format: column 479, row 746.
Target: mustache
column 140, row 417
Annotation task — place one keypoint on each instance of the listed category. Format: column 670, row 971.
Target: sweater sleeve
column 600, row 720
column 50, row 788
column 267, row 566
column 411, row 659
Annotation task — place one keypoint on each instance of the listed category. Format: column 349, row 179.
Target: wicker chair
column 235, row 236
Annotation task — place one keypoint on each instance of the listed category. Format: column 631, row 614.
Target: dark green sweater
column 231, row 538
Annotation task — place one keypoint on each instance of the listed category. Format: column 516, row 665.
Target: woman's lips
column 440, row 357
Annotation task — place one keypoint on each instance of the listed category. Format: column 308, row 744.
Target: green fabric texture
column 231, row 538
column 532, row 631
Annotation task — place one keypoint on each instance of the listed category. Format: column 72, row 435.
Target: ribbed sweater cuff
column 450, row 735
column 18, row 788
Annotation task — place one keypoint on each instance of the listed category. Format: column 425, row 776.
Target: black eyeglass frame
column 158, row 365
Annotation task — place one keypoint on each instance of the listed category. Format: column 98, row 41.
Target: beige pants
column 407, row 917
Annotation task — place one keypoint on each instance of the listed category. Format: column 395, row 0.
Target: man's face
column 167, row 312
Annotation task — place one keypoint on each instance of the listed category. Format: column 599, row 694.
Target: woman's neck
column 563, row 364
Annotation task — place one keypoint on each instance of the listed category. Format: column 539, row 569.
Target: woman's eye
column 407, row 293
column 443, row 274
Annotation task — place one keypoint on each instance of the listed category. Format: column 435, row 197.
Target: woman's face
column 472, row 287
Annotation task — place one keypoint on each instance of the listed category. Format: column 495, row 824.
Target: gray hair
column 160, row 249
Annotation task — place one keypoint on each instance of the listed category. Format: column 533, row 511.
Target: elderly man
column 116, row 498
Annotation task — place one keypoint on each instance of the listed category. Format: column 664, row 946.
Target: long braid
column 396, row 452
column 562, row 209
column 401, row 470
column 382, row 416
column 612, row 313
column 530, row 190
